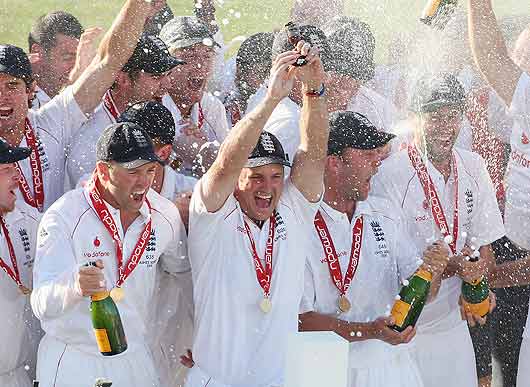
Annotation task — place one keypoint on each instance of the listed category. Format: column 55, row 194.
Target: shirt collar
column 362, row 208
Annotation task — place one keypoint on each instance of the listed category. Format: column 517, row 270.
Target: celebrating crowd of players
column 235, row 203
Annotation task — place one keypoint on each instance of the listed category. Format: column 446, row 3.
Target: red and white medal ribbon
column 432, row 197
column 13, row 272
column 342, row 283
column 35, row 199
column 263, row 274
column 124, row 271
column 110, row 105
column 201, row 118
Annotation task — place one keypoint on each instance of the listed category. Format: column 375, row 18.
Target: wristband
column 316, row 93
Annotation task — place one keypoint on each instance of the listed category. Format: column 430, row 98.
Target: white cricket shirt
column 517, row 178
column 235, row 342
column 479, row 222
column 19, row 330
column 380, row 111
column 387, row 258
column 54, row 125
column 70, row 235
column 82, row 153
column 41, row 99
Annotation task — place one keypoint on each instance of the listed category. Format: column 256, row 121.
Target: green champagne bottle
column 103, row 383
column 107, row 325
column 412, row 299
column 438, row 12
column 476, row 295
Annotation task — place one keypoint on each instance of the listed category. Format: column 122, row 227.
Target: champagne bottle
column 107, row 325
column 438, row 12
column 476, row 294
column 412, row 299
column 103, row 383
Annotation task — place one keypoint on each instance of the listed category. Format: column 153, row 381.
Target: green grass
column 385, row 16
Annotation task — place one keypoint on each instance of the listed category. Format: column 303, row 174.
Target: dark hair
column 256, row 51
column 46, row 28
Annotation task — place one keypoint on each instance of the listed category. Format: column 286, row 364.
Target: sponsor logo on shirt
column 96, row 253
column 339, row 254
column 520, row 158
column 281, row 230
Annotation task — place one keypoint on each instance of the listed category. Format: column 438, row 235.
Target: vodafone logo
column 97, row 242
column 524, row 139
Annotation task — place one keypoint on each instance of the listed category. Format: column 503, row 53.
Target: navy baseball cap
column 353, row 130
column 433, row 92
column 268, row 150
column 127, row 144
column 352, row 47
column 154, row 118
column 15, row 62
column 151, row 56
column 11, row 154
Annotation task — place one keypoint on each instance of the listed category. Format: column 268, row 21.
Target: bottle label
column 481, row 309
column 424, row 274
column 400, row 311
column 102, row 340
column 476, row 282
column 431, row 8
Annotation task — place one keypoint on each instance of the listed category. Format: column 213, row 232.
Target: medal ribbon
column 36, row 199
column 106, row 218
column 331, row 254
column 263, row 274
column 200, row 118
column 109, row 104
column 11, row 272
column 432, row 196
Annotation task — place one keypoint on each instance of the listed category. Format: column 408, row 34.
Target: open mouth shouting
column 139, row 196
column 5, row 112
column 263, row 200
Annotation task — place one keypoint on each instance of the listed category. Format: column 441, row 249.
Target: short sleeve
column 303, row 209
column 521, row 98
column 62, row 116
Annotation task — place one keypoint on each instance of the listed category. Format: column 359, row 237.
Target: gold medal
column 25, row 291
column 265, row 305
column 117, row 294
column 344, row 304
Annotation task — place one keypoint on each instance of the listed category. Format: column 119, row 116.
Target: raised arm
column 308, row 165
column 220, row 180
column 489, row 50
column 114, row 50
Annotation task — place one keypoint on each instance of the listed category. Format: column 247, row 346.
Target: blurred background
column 236, row 17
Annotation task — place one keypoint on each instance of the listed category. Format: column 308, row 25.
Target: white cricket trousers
column 393, row 366
column 62, row 365
column 18, row 377
column 199, row 378
column 446, row 358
